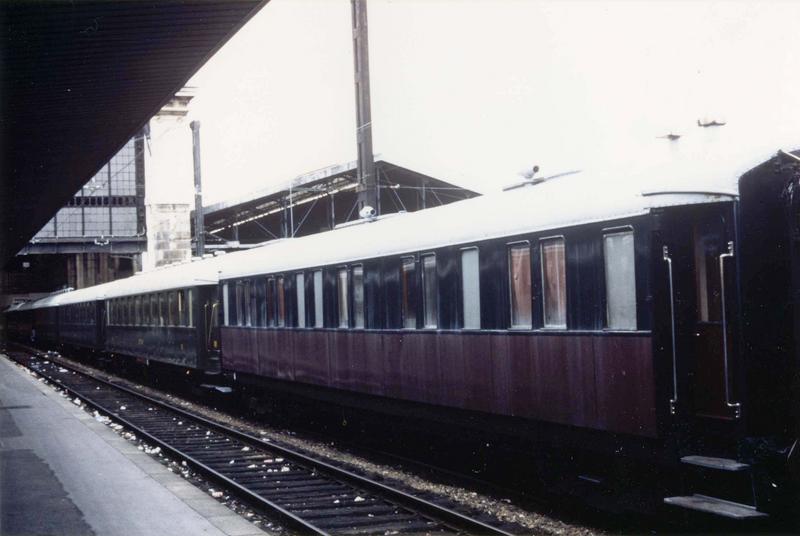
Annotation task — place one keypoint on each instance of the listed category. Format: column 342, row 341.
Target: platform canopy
column 80, row 78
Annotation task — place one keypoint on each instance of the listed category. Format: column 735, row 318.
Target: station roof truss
column 80, row 78
column 320, row 200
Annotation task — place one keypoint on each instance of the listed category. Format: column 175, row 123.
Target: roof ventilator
column 531, row 180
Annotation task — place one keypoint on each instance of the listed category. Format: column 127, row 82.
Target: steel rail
column 446, row 516
column 287, row 518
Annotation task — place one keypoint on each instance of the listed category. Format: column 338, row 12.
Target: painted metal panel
column 625, row 385
column 311, row 361
column 593, row 380
column 267, row 353
column 502, row 381
column 174, row 345
column 477, row 354
column 284, row 348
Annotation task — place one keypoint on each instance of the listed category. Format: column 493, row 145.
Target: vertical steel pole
column 199, row 225
column 367, row 189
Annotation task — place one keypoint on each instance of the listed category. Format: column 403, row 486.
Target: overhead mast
column 199, row 221
column 367, row 181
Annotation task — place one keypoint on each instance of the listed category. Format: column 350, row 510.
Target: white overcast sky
column 473, row 91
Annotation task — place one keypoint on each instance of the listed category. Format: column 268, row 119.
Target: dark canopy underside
column 79, row 79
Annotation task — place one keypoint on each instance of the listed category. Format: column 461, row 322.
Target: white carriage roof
column 200, row 272
column 702, row 166
column 523, row 210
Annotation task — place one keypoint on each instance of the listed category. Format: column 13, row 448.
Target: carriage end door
column 701, row 251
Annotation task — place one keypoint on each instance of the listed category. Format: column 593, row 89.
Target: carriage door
column 702, row 254
column 212, row 325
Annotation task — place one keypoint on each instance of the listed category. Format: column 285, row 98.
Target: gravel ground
column 501, row 509
column 179, row 468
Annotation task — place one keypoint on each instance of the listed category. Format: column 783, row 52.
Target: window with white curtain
column 358, row 296
column 342, row 288
column 471, row 288
column 430, row 296
column 618, row 252
column 318, row 309
column 300, row 286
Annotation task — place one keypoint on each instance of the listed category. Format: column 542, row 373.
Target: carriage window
column 554, row 281
column 240, row 308
column 164, row 314
column 408, row 288
column 261, row 301
column 271, row 301
column 280, row 293
column 173, row 308
column 429, row 291
column 165, row 304
column 138, row 307
column 519, row 282
column 181, row 318
column 226, row 302
column 318, row 310
column 358, row 296
column 146, row 309
column 707, row 237
column 344, row 310
column 620, row 280
column 471, row 289
column 189, row 305
column 300, row 287
column 248, row 302
column 253, row 303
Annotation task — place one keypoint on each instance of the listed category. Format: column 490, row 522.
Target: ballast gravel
column 501, row 509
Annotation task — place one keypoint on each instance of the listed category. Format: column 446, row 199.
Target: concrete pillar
column 169, row 185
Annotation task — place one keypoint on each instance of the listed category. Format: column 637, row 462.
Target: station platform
column 63, row 472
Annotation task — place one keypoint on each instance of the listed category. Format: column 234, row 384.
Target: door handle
column 674, row 400
column 736, row 406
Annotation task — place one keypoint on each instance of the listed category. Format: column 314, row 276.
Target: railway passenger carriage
column 81, row 318
column 166, row 316
column 19, row 321
column 578, row 316
column 656, row 324
column 517, row 321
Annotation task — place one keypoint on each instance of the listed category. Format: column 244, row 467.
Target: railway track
column 303, row 494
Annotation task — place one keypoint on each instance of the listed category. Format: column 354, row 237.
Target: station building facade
column 133, row 214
